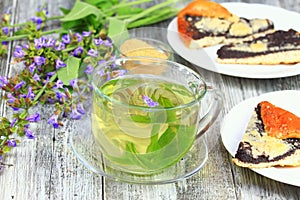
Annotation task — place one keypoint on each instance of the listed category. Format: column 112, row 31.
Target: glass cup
column 146, row 112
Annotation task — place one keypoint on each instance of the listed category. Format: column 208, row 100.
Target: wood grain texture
column 46, row 168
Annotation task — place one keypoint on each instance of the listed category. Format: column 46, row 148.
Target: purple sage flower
column 80, row 108
column 78, row 51
column 60, row 46
column 34, row 118
column 19, row 53
column 89, row 69
column 93, row 53
column 5, row 30
column 59, row 64
column 98, row 41
column 107, row 43
column 60, row 95
column 39, row 42
column 86, row 33
column 75, row 114
column 36, row 77
column 39, row 60
column 29, row 133
column 73, row 83
column 11, row 143
column 78, row 37
column 50, row 43
column 66, row 39
column 53, row 120
column 149, row 101
column 58, row 84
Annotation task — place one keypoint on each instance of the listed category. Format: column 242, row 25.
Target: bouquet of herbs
column 55, row 70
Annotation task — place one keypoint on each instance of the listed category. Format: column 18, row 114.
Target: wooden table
column 46, row 168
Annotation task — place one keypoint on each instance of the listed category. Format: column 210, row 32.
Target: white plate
column 235, row 122
column 206, row 57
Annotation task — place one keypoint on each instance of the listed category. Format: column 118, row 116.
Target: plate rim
column 279, row 71
column 266, row 172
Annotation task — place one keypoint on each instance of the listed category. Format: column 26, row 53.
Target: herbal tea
column 138, row 136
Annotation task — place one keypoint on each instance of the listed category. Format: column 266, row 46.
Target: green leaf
column 154, row 139
column 116, row 27
column 168, row 136
column 82, row 10
column 69, row 72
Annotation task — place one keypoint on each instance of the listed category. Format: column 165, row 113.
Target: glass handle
column 213, row 112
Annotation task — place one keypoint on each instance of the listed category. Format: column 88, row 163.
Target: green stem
column 36, row 98
column 149, row 10
column 127, row 4
column 18, row 37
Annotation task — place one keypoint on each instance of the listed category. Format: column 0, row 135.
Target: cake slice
column 272, row 138
column 206, row 23
column 279, row 47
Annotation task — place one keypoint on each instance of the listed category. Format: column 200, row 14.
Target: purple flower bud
column 4, row 80
column 30, row 94
column 98, row 41
column 78, row 51
column 13, row 122
column 15, row 108
column 36, row 77
column 11, row 143
column 93, row 53
column 86, row 33
column 66, row 39
column 19, row 85
column 33, row 118
column 4, row 43
column 5, row 30
column 49, row 74
column 53, row 120
column 89, row 69
column 10, row 97
column 31, row 67
column 58, row 84
column 59, row 64
column 29, row 134
column 39, row 60
column 149, row 101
